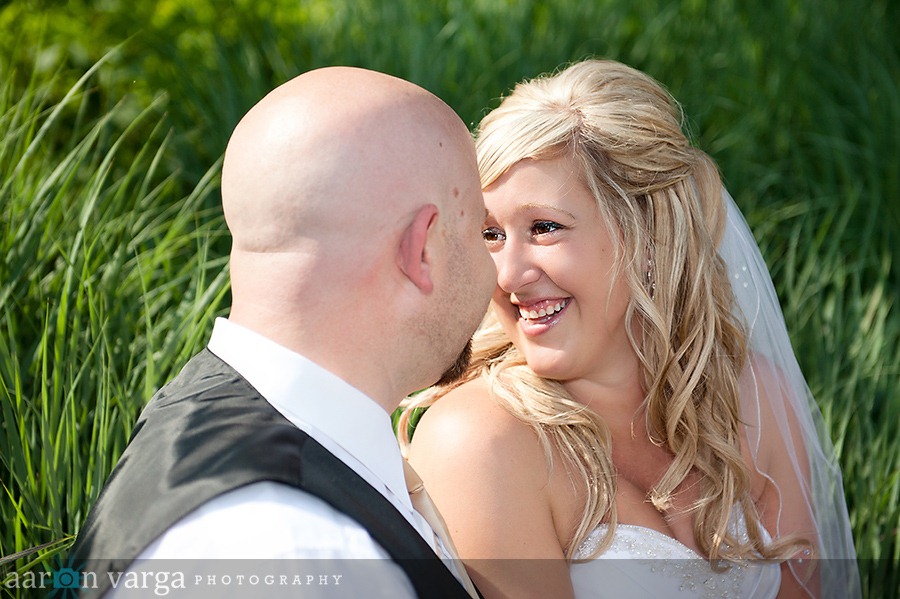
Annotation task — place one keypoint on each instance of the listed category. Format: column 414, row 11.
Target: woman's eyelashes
column 539, row 229
column 545, row 227
column 493, row 235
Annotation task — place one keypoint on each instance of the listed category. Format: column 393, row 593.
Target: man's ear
column 413, row 256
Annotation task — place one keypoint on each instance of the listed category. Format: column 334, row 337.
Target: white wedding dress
column 642, row 563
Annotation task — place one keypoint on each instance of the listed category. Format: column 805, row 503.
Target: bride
column 633, row 392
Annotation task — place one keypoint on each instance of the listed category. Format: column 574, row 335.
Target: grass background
column 114, row 115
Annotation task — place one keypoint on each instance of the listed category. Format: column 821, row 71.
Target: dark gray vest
column 208, row 432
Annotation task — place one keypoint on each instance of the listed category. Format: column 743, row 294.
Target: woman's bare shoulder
column 470, row 420
column 488, row 474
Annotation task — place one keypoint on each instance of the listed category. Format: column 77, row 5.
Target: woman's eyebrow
column 532, row 205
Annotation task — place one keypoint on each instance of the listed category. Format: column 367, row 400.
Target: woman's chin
column 554, row 369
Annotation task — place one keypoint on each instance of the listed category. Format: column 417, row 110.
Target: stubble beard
column 456, row 370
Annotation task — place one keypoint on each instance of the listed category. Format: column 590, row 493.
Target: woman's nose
column 516, row 267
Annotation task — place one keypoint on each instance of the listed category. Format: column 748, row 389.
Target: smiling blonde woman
column 633, row 392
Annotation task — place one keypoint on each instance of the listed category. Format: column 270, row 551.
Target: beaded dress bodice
column 644, row 563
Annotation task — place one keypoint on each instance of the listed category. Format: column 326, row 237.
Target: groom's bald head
column 335, row 148
column 355, row 208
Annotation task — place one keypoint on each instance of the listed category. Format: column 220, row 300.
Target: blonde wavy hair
column 623, row 134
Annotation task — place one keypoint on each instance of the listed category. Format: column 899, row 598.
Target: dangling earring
column 649, row 279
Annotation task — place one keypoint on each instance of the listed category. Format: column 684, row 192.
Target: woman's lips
column 538, row 317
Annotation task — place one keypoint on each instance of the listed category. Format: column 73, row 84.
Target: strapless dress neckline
column 645, row 563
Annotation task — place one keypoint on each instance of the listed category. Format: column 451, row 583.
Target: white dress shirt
column 268, row 520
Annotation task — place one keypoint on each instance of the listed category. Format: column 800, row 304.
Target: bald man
column 358, row 276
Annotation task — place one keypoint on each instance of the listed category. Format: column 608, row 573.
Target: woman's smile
column 538, row 317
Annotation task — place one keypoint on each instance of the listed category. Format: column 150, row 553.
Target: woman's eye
column 492, row 234
column 542, row 227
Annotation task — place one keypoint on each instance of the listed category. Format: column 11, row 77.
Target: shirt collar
column 316, row 401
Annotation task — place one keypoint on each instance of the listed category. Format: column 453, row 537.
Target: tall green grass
column 107, row 288
column 113, row 242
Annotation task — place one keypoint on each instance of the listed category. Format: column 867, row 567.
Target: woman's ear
column 413, row 257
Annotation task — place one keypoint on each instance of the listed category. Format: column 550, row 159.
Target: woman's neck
column 614, row 392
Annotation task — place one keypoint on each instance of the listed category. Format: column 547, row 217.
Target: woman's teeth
column 546, row 311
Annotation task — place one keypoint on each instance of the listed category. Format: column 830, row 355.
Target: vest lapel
column 208, row 432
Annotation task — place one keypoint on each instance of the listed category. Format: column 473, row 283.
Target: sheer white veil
column 778, row 407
